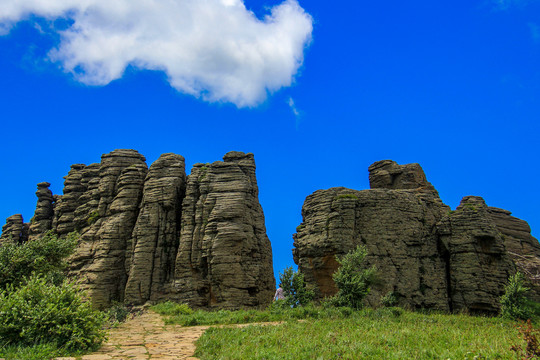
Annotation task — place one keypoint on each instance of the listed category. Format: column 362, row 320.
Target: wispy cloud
column 293, row 107
column 214, row 49
column 297, row 113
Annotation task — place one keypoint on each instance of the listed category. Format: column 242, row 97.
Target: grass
column 34, row 352
column 342, row 333
column 176, row 314
column 366, row 335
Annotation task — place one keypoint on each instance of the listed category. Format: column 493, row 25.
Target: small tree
column 352, row 279
column 514, row 301
column 296, row 292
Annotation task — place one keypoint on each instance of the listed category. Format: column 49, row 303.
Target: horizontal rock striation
column 138, row 241
column 426, row 255
column 15, row 229
column 224, row 253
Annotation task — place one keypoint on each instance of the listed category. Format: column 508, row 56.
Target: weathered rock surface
column 142, row 238
column 43, row 216
column 429, row 256
column 521, row 246
column 101, row 260
column 15, row 229
column 156, row 235
column 477, row 262
column 224, row 255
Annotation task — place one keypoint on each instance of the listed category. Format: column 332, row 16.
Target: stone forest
column 149, row 234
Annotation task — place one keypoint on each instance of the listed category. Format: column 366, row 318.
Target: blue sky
column 454, row 86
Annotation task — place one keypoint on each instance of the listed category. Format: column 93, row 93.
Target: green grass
column 176, row 314
column 367, row 334
column 342, row 333
column 34, row 352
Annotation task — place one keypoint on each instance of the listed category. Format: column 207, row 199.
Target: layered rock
column 427, row 255
column 44, row 214
column 521, row 246
column 15, row 229
column 142, row 238
column 224, row 259
column 477, row 262
column 106, row 214
column 156, row 235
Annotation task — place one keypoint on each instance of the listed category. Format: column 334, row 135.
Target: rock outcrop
column 15, row 229
column 224, row 252
column 426, row 254
column 44, row 214
column 142, row 238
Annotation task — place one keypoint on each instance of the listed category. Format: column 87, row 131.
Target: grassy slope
column 409, row 336
column 345, row 334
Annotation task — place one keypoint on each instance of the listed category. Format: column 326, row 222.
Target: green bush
column 389, row 300
column 295, row 289
column 514, row 301
column 45, row 256
column 352, row 279
column 39, row 312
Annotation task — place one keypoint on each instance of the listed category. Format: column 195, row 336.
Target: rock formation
column 43, row 217
column 15, row 229
column 426, row 254
column 224, row 252
column 143, row 238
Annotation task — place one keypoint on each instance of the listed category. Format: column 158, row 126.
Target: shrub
column 352, row 279
column 117, row 313
column 45, row 256
column 389, row 300
column 514, row 301
column 295, row 289
column 39, row 312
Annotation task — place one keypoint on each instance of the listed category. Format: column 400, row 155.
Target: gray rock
column 15, row 229
column 156, row 234
column 428, row 255
column 43, row 216
column 225, row 258
column 142, row 239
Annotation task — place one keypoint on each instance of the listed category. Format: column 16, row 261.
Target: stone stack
column 426, row 254
column 15, row 229
column 44, row 214
column 143, row 238
column 224, row 255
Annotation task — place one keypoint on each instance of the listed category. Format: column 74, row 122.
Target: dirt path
column 146, row 337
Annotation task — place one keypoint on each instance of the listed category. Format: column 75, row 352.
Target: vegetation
column 347, row 196
column 45, row 257
column 295, row 289
column 181, row 314
column 38, row 312
column 42, row 315
column 389, row 299
column 514, row 304
column 352, row 279
column 368, row 333
column 93, row 217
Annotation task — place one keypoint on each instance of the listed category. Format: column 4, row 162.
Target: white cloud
column 214, row 49
column 293, row 107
